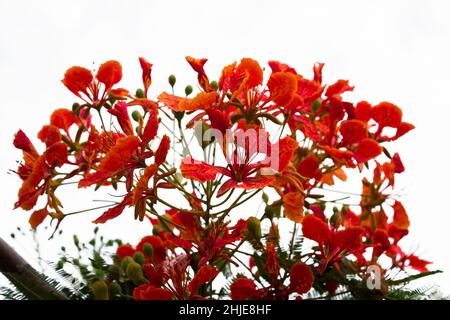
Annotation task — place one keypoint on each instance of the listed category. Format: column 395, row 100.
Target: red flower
column 301, row 278
column 150, row 292
column 243, row 289
column 81, row 81
column 203, row 275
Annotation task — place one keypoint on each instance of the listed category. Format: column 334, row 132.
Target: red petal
column 77, row 79
column 282, row 87
column 352, row 131
column 120, row 110
column 362, row 111
column 309, row 166
column 349, row 238
column 163, row 149
column 387, row 115
column 198, row 170
column 203, row 275
column 301, row 278
column 401, row 220
column 287, row 147
column 159, row 249
column 49, row 135
column 277, row 66
column 418, row 264
column 198, row 65
column 109, row 73
column 37, row 217
column 338, row 88
column 149, row 292
column 318, row 72
column 56, row 154
column 315, row 229
column 63, row 119
column 250, row 68
column 243, row 289
column 367, row 149
column 22, row 142
column 398, row 164
column 114, row 212
column 125, row 250
column 146, row 74
column 119, row 154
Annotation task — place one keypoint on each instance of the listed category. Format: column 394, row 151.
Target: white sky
column 391, row 50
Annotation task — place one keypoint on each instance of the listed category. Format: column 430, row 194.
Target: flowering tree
column 286, row 140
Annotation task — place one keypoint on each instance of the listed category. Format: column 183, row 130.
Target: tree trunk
column 24, row 277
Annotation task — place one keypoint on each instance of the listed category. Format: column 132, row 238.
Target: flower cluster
column 289, row 137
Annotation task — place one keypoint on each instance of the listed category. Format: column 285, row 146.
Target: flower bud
column 215, row 85
column 114, row 289
column 148, row 249
column 135, row 273
column 140, row 93
column 254, row 228
column 188, row 90
column 139, row 258
column 156, row 230
column 178, row 115
column 125, row 262
column 99, row 290
column 136, row 115
column 172, row 80
column 76, row 108
column 316, row 105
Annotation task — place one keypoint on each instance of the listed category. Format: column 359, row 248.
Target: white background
column 390, row 50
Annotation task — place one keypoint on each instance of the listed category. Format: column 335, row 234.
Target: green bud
column 178, row 115
column 139, row 258
column 188, row 90
column 125, row 262
column 156, row 230
column 136, row 115
column 254, row 228
column 100, row 290
column 76, row 262
column 215, row 85
column 316, row 105
column 76, row 108
column 269, row 212
column 140, row 93
column 148, row 249
column 76, row 241
column 60, row 265
column 265, row 197
column 172, row 80
column 114, row 289
column 135, row 273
